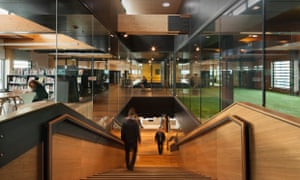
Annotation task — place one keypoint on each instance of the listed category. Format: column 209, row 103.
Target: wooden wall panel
column 27, row 166
column 200, row 155
column 217, row 154
column 230, row 152
column 274, row 145
column 73, row 159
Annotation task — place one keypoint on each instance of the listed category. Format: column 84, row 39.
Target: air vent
column 179, row 23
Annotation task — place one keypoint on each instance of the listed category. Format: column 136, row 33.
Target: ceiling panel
column 151, row 6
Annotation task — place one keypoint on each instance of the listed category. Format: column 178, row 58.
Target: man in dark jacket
column 160, row 139
column 130, row 134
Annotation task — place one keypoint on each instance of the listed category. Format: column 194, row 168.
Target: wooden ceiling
column 146, row 34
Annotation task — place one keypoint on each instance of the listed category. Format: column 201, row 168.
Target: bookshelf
column 20, row 78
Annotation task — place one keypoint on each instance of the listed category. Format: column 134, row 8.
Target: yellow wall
column 146, row 71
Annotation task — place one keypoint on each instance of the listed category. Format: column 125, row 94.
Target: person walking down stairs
column 160, row 139
column 130, row 135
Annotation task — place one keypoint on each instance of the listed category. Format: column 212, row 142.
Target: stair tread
column 148, row 173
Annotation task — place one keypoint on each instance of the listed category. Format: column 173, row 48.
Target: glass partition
column 225, row 61
column 84, row 69
column 199, row 67
column 249, row 52
column 242, row 59
column 60, row 44
column 282, row 56
column 239, row 57
column 26, row 35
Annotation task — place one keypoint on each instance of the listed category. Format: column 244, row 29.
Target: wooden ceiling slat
column 143, row 24
column 47, row 41
column 18, row 25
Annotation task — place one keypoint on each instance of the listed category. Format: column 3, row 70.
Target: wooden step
column 148, row 173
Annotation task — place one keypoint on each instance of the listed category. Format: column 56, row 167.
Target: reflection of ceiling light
column 125, row 35
column 256, row 7
column 283, row 41
column 165, row 4
column 242, row 50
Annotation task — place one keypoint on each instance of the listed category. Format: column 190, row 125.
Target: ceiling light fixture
column 153, row 48
column 165, row 4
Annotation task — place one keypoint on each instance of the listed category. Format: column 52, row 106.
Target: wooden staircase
column 149, row 164
column 148, row 173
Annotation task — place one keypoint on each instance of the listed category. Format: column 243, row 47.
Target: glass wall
column 199, row 80
column 25, row 37
column 65, row 47
column 242, row 58
column 249, row 53
column 282, row 56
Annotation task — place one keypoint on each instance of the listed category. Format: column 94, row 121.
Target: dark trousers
column 160, row 147
column 130, row 160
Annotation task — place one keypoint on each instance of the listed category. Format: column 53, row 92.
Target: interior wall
column 73, row 159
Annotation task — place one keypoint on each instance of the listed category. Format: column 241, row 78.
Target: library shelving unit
column 20, row 78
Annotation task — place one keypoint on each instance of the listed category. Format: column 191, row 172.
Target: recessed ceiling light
column 165, row 4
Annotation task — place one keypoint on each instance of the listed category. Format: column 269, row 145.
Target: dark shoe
column 130, row 168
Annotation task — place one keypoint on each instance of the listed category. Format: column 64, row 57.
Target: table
column 12, row 98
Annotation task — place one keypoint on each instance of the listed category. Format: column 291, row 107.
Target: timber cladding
column 73, row 158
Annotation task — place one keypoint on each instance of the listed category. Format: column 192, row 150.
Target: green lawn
column 276, row 101
column 210, row 101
